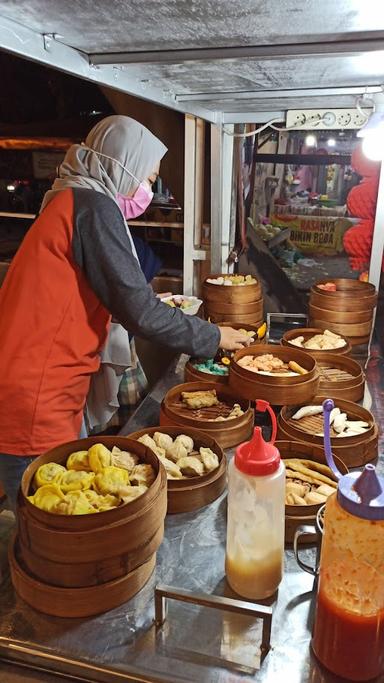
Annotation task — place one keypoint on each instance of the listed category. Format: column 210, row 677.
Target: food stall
column 186, row 624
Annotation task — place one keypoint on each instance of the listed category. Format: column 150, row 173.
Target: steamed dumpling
column 72, row 480
column 49, row 473
column 110, row 480
column 47, row 497
column 123, row 459
column 150, row 443
column 209, row 459
column 78, row 461
column 101, row 503
column 142, row 474
column 173, row 471
column 132, row 492
column 191, row 466
column 99, row 457
column 177, row 451
column 74, row 503
column 163, row 441
column 186, row 441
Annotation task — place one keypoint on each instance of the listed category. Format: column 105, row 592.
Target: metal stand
column 164, row 593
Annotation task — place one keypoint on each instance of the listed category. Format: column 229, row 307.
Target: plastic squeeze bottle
column 348, row 636
column 255, row 531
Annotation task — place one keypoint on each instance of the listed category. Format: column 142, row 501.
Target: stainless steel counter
column 195, row 644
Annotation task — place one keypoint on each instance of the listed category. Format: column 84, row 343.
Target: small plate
column 194, row 301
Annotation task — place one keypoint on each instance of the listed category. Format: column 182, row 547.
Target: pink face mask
column 132, row 207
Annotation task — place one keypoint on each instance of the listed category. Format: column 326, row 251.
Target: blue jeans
column 11, row 471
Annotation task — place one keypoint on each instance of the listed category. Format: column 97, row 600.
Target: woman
column 75, row 269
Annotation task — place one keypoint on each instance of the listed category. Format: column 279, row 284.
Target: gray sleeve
column 102, row 249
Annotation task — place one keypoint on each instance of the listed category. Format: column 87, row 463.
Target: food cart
column 223, row 64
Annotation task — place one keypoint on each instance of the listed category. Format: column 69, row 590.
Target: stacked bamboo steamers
column 233, row 299
column 77, row 565
column 347, row 308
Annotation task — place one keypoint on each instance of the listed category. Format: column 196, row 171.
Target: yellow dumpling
column 99, row 457
column 73, row 480
column 108, row 502
column 110, row 480
column 47, row 497
column 49, row 473
column 78, row 461
column 74, row 503
column 92, row 497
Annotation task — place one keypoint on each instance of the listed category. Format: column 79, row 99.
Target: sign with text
column 314, row 234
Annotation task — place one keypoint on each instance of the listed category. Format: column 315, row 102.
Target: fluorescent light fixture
column 373, row 131
column 331, row 142
column 311, row 140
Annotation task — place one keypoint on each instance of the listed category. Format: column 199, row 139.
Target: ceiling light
column 331, row 142
column 311, row 140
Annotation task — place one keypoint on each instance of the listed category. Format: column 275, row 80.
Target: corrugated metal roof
column 344, row 35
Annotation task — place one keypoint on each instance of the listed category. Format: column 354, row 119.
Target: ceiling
column 219, row 59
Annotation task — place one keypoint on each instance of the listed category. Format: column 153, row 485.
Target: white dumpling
column 172, row 470
column 186, row 441
column 191, row 466
column 209, row 459
column 176, row 451
column 142, row 474
column 131, row 492
column 163, row 440
column 150, row 443
column 123, row 459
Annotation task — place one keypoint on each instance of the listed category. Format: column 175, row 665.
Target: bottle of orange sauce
column 348, row 636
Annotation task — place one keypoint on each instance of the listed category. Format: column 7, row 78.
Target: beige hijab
column 131, row 150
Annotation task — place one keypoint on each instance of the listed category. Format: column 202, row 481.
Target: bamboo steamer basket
column 255, row 308
column 246, row 327
column 226, row 433
column 192, row 493
column 340, row 317
column 340, row 376
column 233, row 294
column 275, row 390
column 357, row 333
column 192, row 374
column 86, row 550
column 236, row 304
column 348, row 310
column 354, row 451
column 296, row 515
column 75, row 602
column 84, row 575
column 350, row 295
column 219, row 318
column 307, row 333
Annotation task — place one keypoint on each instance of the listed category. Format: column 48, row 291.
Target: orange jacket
column 74, row 268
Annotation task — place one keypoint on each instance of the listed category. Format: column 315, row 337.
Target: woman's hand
column 232, row 340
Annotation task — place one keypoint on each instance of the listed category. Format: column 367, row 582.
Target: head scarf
column 126, row 144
